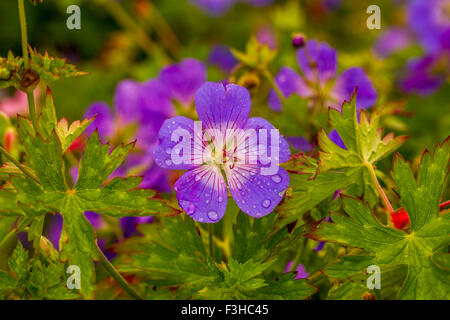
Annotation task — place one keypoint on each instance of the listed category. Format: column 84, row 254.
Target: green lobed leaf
column 427, row 278
column 337, row 168
column 176, row 254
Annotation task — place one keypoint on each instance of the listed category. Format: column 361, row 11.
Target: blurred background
column 106, row 46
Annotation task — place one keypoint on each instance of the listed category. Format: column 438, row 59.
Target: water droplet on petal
column 168, row 162
column 198, row 177
column 281, row 193
column 276, row 178
column 187, row 206
column 239, row 185
column 212, row 215
column 207, row 201
column 243, row 201
column 168, row 150
column 266, row 203
column 220, row 199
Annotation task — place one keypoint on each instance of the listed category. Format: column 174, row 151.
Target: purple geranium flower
column 421, row 76
column 430, row 22
column 318, row 62
column 226, row 141
column 429, row 19
column 391, row 41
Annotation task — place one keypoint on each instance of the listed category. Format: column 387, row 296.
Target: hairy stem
column 18, row 164
column 23, row 32
column 117, row 276
column 32, row 109
column 380, row 189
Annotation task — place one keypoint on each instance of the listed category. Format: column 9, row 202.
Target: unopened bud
column 298, row 40
column 29, row 79
column 10, row 139
column 249, row 81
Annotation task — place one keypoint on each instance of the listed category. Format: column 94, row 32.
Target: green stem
column 211, row 241
column 164, row 31
column 26, row 61
column 18, row 164
column 125, row 21
column 32, row 109
column 23, row 32
column 117, row 276
column 299, row 255
column 380, row 189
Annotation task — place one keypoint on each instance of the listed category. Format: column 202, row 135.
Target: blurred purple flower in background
column 391, row 41
column 221, row 57
column 318, row 63
column 266, row 35
column 430, row 22
column 146, row 106
column 201, row 191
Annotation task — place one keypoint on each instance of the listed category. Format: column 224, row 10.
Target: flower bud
column 298, row 40
column 29, row 79
column 10, row 140
column 249, row 81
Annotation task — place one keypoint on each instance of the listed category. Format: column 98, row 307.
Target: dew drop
column 220, row 199
column 198, row 177
column 207, row 201
column 188, row 206
column 168, row 162
column 281, row 193
column 276, row 178
column 239, row 185
column 266, row 203
column 212, row 215
column 168, row 150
